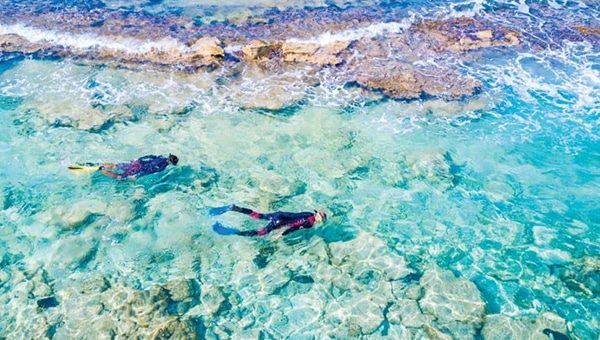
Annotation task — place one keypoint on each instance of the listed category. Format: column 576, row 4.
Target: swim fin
column 83, row 168
column 223, row 230
column 220, row 210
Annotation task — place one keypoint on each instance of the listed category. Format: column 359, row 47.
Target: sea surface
column 465, row 218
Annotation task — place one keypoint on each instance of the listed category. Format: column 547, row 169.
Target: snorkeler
column 277, row 220
column 138, row 167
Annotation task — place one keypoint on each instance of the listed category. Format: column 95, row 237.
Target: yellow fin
column 83, row 168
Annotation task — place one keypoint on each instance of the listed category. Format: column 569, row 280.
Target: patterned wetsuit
column 143, row 166
column 295, row 221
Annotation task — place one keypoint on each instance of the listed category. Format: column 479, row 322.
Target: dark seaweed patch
column 47, row 302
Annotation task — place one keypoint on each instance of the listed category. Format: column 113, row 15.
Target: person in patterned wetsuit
column 138, row 167
column 277, row 220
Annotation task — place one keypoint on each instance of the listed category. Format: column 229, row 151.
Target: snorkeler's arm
column 109, row 173
column 290, row 230
column 303, row 225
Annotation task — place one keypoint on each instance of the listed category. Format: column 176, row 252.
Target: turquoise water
column 476, row 218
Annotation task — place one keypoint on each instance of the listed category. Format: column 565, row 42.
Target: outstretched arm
column 305, row 224
column 109, row 173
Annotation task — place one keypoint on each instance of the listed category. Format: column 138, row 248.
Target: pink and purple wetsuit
column 277, row 220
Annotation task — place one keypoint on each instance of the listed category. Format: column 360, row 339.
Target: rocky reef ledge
column 391, row 55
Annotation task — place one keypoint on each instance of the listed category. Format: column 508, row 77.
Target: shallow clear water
column 494, row 196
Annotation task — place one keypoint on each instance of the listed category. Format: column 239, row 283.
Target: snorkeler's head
column 173, row 159
column 320, row 217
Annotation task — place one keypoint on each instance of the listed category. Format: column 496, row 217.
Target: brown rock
column 406, row 82
column 484, row 39
column 175, row 328
column 329, row 54
column 398, row 81
column 207, row 47
column 587, row 30
column 298, row 51
column 205, row 51
column 484, row 35
column 512, row 37
column 16, row 43
column 258, row 50
column 314, row 53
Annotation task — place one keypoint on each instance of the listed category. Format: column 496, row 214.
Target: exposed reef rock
column 314, row 53
column 382, row 52
column 464, row 34
column 258, row 50
column 403, row 81
column 384, row 63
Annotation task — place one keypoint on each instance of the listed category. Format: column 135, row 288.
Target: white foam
column 461, row 12
column 523, row 7
column 370, row 31
column 91, row 41
column 229, row 49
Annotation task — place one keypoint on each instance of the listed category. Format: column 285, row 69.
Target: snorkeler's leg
column 269, row 228
column 248, row 233
column 250, row 213
column 232, row 207
column 223, row 230
column 220, row 210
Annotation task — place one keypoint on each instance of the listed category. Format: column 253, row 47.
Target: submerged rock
column 408, row 313
column 366, row 254
column 95, row 284
column 583, row 329
column 270, row 86
column 547, row 325
column 437, row 168
column 41, row 328
column 176, row 328
column 365, row 316
column 74, row 252
column 181, row 289
column 454, row 302
column 4, row 277
column 502, row 327
column 212, row 298
column 81, row 212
